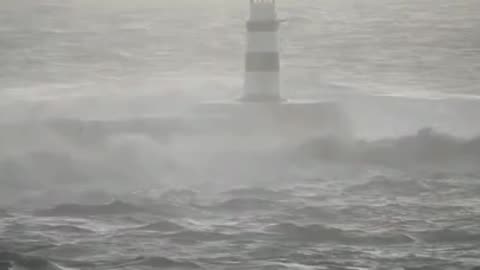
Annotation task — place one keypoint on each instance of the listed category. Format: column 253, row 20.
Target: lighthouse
column 261, row 110
column 260, row 118
column 262, row 61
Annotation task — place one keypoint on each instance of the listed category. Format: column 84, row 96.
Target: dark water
column 376, row 222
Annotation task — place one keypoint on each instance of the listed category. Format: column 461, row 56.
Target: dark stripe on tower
column 262, row 26
column 262, row 61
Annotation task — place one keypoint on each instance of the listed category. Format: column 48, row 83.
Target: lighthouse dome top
column 262, row 10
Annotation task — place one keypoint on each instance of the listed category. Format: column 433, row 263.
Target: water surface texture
column 390, row 198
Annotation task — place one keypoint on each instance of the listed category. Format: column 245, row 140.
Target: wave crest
column 4, row 213
column 385, row 185
column 426, row 148
column 162, row 226
column 26, row 262
column 449, row 236
column 166, row 263
column 116, row 207
column 320, row 233
column 246, row 204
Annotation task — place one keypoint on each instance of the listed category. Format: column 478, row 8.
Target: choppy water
column 398, row 204
column 371, row 222
column 408, row 202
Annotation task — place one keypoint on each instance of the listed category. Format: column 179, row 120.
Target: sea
column 400, row 193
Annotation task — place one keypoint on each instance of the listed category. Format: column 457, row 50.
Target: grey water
column 401, row 194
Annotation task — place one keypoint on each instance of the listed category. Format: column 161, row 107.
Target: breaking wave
column 131, row 189
column 123, row 161
column 427, row 148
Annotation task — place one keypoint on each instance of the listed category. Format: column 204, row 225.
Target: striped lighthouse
column 262, row 63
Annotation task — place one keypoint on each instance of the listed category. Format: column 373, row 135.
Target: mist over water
column 400, row 193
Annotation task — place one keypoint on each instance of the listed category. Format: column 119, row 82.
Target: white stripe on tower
column 262, row 64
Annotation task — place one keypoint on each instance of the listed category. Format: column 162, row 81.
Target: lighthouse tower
column 262, row 63
column 260, row 119
column 262, row 114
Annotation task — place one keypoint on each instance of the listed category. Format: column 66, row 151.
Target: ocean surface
column 400, row 194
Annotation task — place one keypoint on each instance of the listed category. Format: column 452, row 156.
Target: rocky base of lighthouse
column 246, row 127
column 290, row 119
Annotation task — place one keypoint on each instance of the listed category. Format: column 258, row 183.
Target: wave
column 426, row 148
column 320, row 233
column 4, row 213
column 449, row 236
column 317, row 212
column 309, row 232
column 161, row 226
column 122, row 161
column 12, row 259
column 386, row 185
column 256, row 192
column 114, row 208
column 14, row 244
column 179, row 196
column 246, row 204
column 36, row 156
column 194, row 236
column 166, row 263
column 67, row 229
